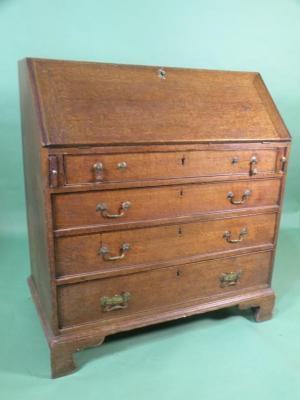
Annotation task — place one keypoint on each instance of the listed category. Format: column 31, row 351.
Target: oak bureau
column 152, row 194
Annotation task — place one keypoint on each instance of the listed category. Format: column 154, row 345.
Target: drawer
column 97, row 168
column 109, row 250
column 112, row 207
column 122, row 296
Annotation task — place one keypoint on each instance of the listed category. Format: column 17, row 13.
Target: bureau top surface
column 88, row 103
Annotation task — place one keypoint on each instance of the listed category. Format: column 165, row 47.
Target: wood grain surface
column 160, row 288
column 79, row 169
column 80, row 209
column 81, row 254
column 198, row 157
column 94, row 103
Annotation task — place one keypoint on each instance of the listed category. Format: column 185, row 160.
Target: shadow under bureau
column 152, row 194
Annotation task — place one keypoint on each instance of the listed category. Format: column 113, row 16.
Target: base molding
column 63, row 346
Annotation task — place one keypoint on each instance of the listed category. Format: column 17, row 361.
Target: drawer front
column 95, row 252
column 123, row 296
column 82, row 169
column 113, row 207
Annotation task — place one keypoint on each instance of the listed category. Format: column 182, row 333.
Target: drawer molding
column 162, row 182
column 112, row 208
column 126, row 270
column 156, row 245
column 210, row 216
column 97, row 168
column 243, row 299
column 85, row 302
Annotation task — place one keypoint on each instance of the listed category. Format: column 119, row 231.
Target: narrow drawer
column 124, row 296
column 98, row 168
column 112, row 207
column 95, row 252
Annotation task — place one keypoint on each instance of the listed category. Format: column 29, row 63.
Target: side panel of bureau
column 35, row 161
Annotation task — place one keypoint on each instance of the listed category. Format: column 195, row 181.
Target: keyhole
column 235, row 160
column 183, row 160
column 179, row 230
column 181, row 192
column 178, row 273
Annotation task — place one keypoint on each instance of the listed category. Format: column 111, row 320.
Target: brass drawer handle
column 104, row 251
column 253, row 163
column 246, row 195
column 242, row 235
column 230, row 278
column 102, row 207
column 122, row 165
column 283, row 160
column 98, row 171
column 116, row 302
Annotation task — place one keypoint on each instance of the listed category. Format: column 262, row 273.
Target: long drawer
column 98, row 168
column 123, row 296
column 95, row 252
column 112, row 207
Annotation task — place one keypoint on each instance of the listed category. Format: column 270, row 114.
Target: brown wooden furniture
column 152, row 194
